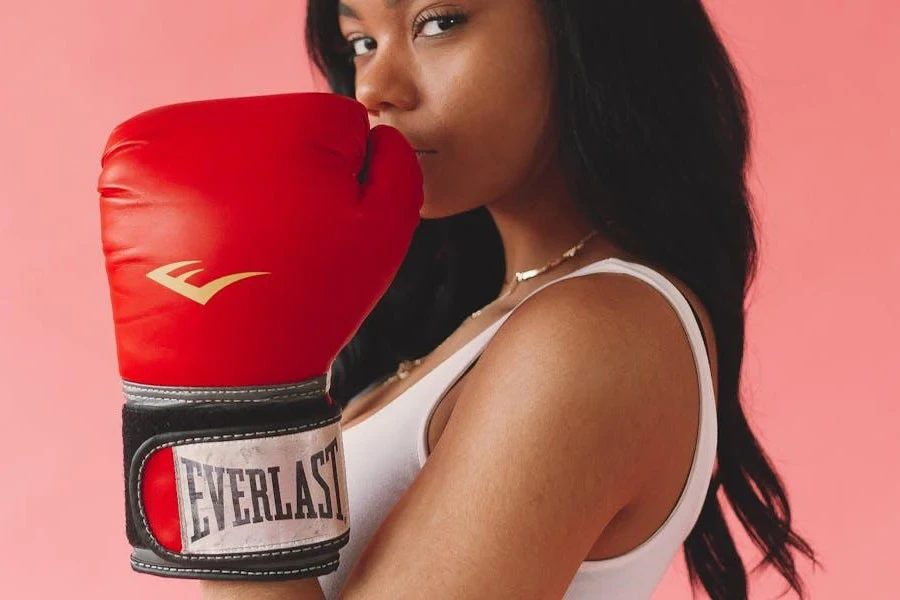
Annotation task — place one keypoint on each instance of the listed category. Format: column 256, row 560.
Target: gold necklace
column 406, row 366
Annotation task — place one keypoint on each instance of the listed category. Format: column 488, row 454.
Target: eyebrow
column 345, row 11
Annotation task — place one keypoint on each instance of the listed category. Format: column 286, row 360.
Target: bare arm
column 302, row 589
column 558, row 427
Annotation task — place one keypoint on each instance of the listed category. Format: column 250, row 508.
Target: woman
column 559, row 443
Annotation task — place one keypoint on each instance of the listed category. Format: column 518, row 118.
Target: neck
column 538, row 222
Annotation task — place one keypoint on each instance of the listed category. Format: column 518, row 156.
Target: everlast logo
column 241, row 496
column 199, row 294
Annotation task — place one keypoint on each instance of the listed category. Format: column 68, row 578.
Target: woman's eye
column 361, row 46
column 438, row 24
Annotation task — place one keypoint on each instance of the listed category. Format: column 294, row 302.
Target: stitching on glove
column 181, row 392
column 234, row 572
column 308, row 389
column 306, row 396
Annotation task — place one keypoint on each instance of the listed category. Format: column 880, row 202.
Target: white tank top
column 386, row 450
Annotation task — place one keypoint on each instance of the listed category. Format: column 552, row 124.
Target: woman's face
column 466, row 81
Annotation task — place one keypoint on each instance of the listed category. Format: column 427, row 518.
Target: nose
column 385, row 83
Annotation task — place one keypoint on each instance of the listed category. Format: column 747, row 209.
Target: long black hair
column 654, row 135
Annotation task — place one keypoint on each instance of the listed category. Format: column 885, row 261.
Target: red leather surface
column 258, row 184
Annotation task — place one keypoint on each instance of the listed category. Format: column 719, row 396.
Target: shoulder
column 617, row 318
column 577, row 321
column 611, row 352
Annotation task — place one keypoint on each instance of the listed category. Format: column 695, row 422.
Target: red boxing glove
column 246, row 240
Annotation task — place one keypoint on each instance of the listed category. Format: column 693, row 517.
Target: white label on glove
column 269, row 493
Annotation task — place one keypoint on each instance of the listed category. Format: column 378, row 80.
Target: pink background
column 822, row 354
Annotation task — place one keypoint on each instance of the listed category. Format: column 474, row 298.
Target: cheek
column 494, row 107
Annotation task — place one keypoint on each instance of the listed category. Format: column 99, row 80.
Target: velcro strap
column 250, row 487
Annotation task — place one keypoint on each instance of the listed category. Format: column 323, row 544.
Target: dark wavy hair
column 654, row 136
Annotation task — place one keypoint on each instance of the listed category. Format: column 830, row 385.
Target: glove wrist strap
column 241, row 482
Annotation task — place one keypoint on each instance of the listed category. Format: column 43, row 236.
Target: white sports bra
column 384, row 453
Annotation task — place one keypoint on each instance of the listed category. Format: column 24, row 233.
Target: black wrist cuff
column 234, row 483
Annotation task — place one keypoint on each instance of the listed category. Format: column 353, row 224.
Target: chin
column 430, row 213
column 439, row 208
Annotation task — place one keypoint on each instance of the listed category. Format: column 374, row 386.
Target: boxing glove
column 245, row 241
